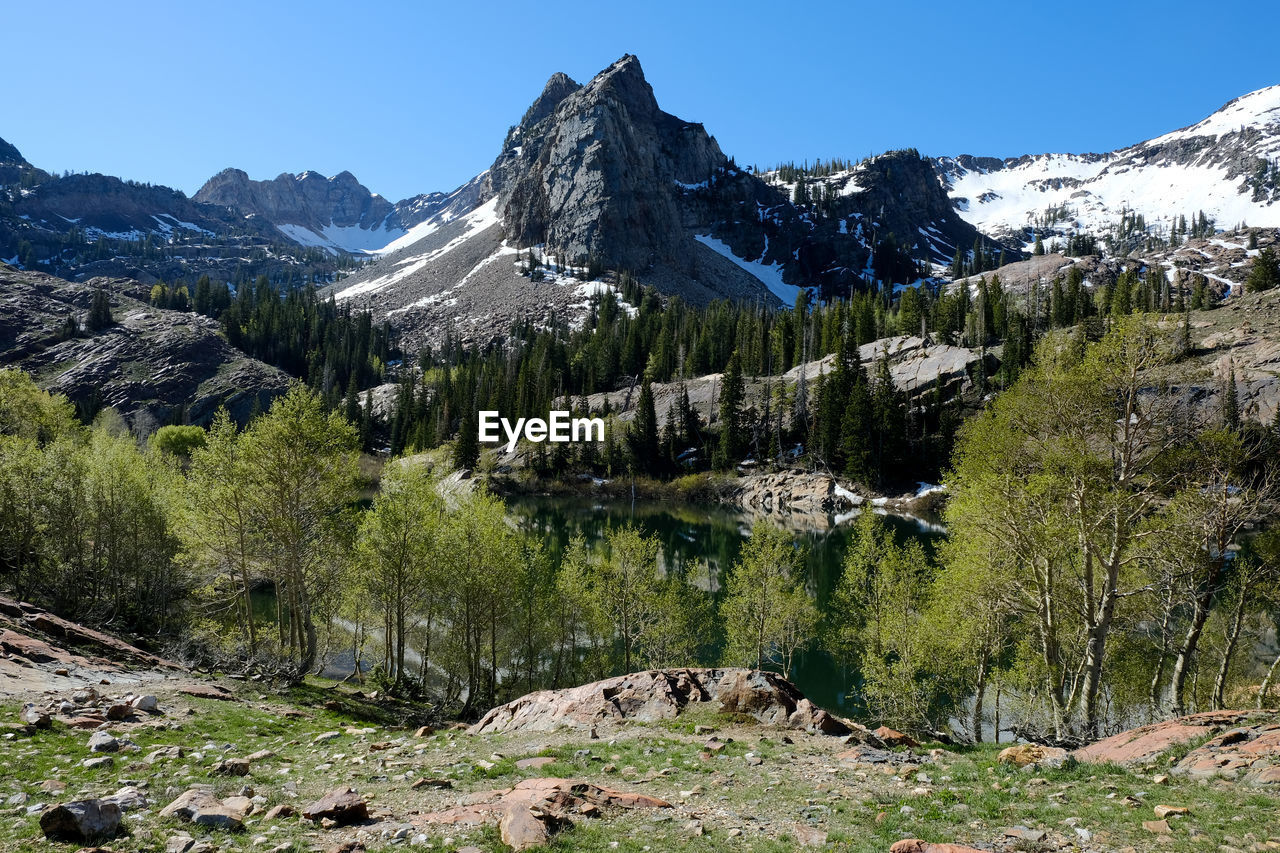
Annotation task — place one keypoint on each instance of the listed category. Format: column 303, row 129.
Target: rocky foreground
column 148, row 758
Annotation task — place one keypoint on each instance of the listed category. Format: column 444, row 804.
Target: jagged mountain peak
column 559, row 87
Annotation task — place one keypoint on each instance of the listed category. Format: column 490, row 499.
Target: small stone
column 179, row 844
column 33, row 716
column 103, row 742
column 341, row 805
column 424, row 782
column 231, row 767
column 147, row 704
column 808, row 836
column 535, row 763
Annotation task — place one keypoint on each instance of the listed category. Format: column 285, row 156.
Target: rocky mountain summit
column 597, row 182
column 152, row 365
column 1223, row 166
column 338, row 214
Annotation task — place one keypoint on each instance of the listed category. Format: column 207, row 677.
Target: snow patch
column 770, row 275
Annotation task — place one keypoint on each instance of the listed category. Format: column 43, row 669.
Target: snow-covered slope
column 1224, row 166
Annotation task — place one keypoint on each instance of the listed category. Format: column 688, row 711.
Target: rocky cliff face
column 308, row 199
column 595, row 171
column 152, row 366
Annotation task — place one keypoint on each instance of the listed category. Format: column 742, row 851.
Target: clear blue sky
column 413, row 97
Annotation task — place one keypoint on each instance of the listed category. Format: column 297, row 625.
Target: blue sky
column 413, row 97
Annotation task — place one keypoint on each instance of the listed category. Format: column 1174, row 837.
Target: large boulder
column 341, row 805
column 1147, row 743
column 662, row 695
column 1240, row 745
column 81, row 821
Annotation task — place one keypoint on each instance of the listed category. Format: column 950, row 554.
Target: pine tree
column 642, row 440
column 466, row 452
column 99, row 311
column 731, row 395
column 1265, row 272
column 1039, row 247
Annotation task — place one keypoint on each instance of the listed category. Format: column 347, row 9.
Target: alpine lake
column 702, row 542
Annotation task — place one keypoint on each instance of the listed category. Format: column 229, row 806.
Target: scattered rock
column 808, row 836
column 147, row 704
column 1027, row 754
column 128, row 798
column 535, row 763
column 231, row 767
column 894, row 738
column 342, row 805
column 103, row 742
column 204, row 809
column 33, row 716
column 82, row 820
column 522, row 829
column 208, row 691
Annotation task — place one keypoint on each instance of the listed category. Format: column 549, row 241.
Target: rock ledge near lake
column 663, row 694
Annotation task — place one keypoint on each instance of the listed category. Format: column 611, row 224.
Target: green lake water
column 690, row 534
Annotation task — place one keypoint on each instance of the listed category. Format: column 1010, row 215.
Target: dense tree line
column 336, row 351
column 1099, row 569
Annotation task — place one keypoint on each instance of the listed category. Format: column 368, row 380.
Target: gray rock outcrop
column 662, row 695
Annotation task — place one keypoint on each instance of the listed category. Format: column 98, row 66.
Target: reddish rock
column 894, row 738
column 1147, row 742
column 521, row 829
column 1248, row 750
column 86, row 722
column 915, row 845
column 36, row 651
column 536, row 763
column 208, row 691
column 342, row 805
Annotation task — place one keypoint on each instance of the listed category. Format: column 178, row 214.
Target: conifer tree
column 642, row 440
column 731, row 395
column 99, row 311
